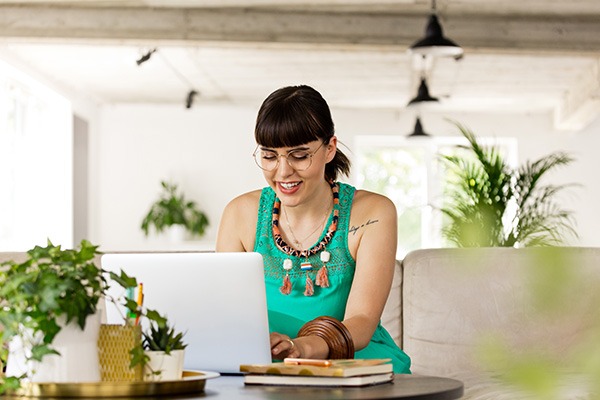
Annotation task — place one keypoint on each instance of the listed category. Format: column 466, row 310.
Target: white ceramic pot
column 164, row 367
column 176, row 233
column 77, row 362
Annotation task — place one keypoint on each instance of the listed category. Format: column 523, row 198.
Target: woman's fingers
column 282, row 346
column 293, row 350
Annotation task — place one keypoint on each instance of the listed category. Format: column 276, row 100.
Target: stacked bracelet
column 335, row 334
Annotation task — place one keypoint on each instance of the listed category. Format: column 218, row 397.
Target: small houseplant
column 172, row 209
column 42, row 298
column 162, row 337
column 53, row 293
column 491, row 204
column 164, row 347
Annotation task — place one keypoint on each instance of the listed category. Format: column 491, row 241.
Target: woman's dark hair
column 295, row 115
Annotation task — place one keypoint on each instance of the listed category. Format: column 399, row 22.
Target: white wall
column 207, row 151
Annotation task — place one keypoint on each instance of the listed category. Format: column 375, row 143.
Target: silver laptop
column 218, row 299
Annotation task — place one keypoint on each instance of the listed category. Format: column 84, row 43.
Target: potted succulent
column 48, row 303
column 173, row 211
column 165, row 349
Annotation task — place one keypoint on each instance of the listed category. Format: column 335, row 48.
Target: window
column 35, row 164
column 411, row 174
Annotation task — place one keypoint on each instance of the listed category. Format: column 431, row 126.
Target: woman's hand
column 283, row 346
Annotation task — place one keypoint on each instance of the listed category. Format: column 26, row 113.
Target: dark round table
column 233, row 388
column 403, row 387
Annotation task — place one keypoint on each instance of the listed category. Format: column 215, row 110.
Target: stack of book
column 308, row 372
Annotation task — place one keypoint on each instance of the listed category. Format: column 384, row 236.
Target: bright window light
column 36, row 164
column 411, row 174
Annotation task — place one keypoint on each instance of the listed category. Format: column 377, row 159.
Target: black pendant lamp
column 435, row 43
column 418, row 132
column 422, row 94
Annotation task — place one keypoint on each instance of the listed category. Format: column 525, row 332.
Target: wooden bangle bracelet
column 335, row 334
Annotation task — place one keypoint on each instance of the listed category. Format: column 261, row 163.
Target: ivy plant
column 52, row 283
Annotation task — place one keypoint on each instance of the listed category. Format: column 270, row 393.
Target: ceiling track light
column 422, row 94
column 418, row 131
column 435, row 43
column 145, row 57
column 189, row 100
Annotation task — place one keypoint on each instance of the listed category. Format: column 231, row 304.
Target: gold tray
column 192, row 382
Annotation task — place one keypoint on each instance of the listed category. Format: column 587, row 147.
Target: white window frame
column 431, row 221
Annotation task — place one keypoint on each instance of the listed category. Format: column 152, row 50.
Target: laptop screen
column 217, row 299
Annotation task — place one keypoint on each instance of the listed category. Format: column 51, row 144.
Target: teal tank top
column 287, row 313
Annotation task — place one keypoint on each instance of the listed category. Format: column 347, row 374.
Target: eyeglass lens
column 300, row 160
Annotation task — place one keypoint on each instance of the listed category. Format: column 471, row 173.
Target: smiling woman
column 36, row 167
column 322, row 299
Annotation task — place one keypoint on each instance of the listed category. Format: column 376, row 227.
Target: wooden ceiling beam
column 493, row 33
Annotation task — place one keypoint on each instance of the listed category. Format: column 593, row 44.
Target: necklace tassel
column 322, row 276
column 322, row 279
column 310, row 289
column 286, row 288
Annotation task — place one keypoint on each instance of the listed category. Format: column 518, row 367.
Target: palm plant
column 491, row 204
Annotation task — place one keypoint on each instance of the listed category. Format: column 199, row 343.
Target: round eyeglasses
column 300, row 160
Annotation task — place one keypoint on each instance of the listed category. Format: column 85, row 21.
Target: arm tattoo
column 353, row 228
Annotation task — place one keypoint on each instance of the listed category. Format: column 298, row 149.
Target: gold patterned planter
column 114, row 344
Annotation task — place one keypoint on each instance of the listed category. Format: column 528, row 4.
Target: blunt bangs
column 291, row 117
column 286, row 131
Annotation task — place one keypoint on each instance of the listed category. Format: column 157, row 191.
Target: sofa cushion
column 391, row 318
column 471, row 313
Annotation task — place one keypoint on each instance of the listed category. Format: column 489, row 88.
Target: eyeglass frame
column 310, row 155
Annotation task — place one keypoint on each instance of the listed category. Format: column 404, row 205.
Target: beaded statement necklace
column 321, row 278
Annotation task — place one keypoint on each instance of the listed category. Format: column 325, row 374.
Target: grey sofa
column 491, row 316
